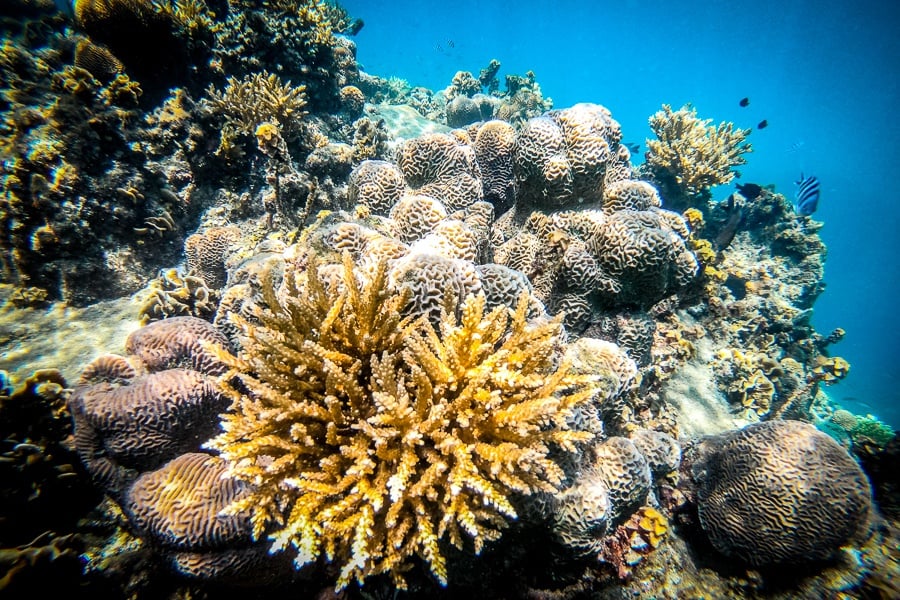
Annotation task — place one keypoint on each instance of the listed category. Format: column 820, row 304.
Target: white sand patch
column 62, row 337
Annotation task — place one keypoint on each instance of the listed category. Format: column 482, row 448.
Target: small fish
column 729, row 229
column 744, row 102
column 451, row 44
column 749, row 191
column 795, row 147
column 632, row 147
column 807, row 195
column 762, row 124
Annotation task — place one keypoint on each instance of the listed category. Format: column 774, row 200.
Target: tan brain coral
column 376, row 184
column 646, row 257
column 495, row 144
column 179, row 505
column 568, row 156
column 442, row 166
column 181, row 509
column 177, row 342
column 415, row 216
column 206, row 253
column 779, row 492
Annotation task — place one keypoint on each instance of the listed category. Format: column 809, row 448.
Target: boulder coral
column 178, row 509
column 369, row 438
column 567, row 157
column 779, row 492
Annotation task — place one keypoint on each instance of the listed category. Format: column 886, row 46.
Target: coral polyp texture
column 692, row 152
column 179, row 508
column 780, row 492
column 369, row 438
column 567, row 157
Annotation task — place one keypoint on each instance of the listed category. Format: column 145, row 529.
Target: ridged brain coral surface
column 154, row 418
column 178, row 506
column 370, row 438
column 567, row 157
column 177, row 342
column 205, row 254
column 780, row 492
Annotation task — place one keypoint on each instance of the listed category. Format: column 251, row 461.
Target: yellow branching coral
column 370, row 438
column 259, row 98
column 697, row 154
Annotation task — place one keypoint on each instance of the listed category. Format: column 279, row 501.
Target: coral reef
column 568, row 156
column 779, row 492
column 366, row 462
column 693, row 154
column 178, row 508
column 399, row 395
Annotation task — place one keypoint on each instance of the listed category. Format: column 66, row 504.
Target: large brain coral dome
column 780, row 492
column 566, row 157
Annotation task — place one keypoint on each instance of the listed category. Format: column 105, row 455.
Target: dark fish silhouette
column 807, row 195
column 749, row 191
column 451, row 43
column 745, row 102
column 762, row 124
column 729, row 229
column 632, row 147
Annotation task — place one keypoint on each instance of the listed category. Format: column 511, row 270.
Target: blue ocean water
column 823, row 74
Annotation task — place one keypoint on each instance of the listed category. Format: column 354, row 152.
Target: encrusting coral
column 369, row 437
column 693, row 152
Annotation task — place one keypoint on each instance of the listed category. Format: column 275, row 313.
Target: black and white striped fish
column 807, row 195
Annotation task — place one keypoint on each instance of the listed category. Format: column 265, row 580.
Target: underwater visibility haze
column 438, row 300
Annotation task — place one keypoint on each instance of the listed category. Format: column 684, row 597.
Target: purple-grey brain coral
column 178, row 342
column 141, row 425
column 179, row 507
column 779, row 492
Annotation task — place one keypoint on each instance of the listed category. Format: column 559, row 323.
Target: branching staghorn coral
column 370, row 438
column 697, row 154
column 259, row 98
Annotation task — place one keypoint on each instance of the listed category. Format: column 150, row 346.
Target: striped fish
column 807, row 195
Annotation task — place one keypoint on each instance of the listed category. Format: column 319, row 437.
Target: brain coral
column 581, row 516
column 177, row 342
column 495, row 143
column 779, row 492
column 141, row 425
column 626, row 474
column 563, row 157
column 442, row 166
column 205, row 254
column 414, row 216
column 181, row 509
column 377, row 184
column 179, row 505
column 644, row 256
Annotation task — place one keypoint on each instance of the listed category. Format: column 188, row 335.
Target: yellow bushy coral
column 697, row 154
column 370, row 438
column 259, row 98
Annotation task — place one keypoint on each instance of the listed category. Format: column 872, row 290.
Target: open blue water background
column 824, row 74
